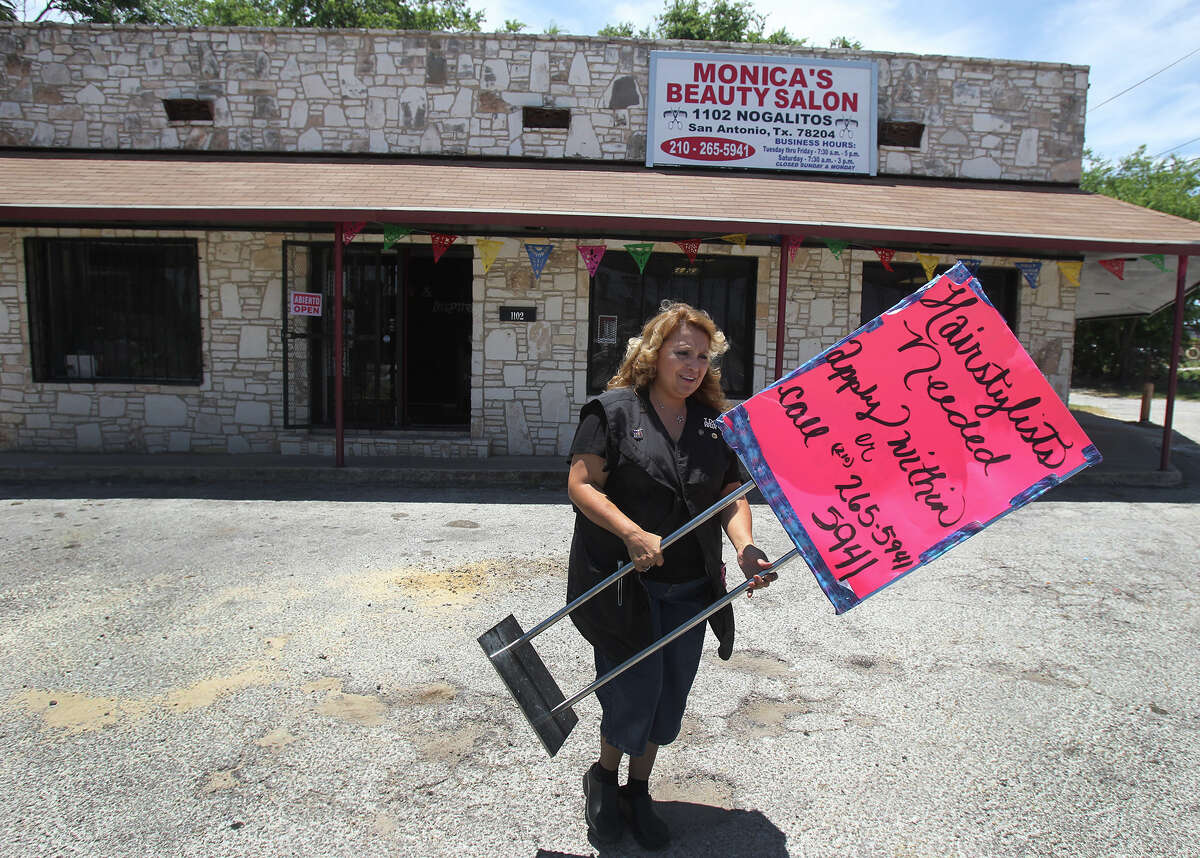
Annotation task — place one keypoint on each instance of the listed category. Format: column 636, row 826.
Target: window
column 622, row 300
column 188, row 110
column 121, row 310
column 883, row 289
column 545, row 117
column 904, row 134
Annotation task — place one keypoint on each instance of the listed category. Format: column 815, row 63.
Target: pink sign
column 305, row 304
column 915, row 432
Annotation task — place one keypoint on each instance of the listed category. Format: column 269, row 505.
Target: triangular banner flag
column 441, row 243
column 791, row 243
column 1158, row 260
column 1070, row 270
column 928, row 262
column 690, row 246
column 972, row 265
column 1116, row 266
column 640, row 253
column 1031, row 270
column 836, row 246
column 489, row 249
column 592, row 254
column 392, row 234
column 738, row 238
column 538, row 254
column 885, row 256
column 349, row 230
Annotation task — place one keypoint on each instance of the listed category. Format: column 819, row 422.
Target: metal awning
column 1143, row 288
column 482, row 197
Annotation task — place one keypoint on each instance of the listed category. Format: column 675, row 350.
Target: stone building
column 166, row 194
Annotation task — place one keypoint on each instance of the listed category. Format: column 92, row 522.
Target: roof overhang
column 574, row 198
column 1142, row 290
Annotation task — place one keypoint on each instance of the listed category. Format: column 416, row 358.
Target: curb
column 419, row 477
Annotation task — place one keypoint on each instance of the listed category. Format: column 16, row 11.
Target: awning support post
column 781, row 306
column 1173, row 377
column 339, row 428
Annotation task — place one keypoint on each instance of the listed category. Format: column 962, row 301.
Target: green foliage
column 711, row 21
column 624, row 30
column 845, row 42
column 1171, row 186
column 110, row 11
column 552, row 29
column 8, row 10
column 327, row 14
column 1127, row 352
column 718, row 21
column 512, row 25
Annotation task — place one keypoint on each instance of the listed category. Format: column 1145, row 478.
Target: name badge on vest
column 638, row 434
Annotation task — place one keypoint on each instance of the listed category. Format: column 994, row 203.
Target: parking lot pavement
column 1185, row 418
column 298, row 675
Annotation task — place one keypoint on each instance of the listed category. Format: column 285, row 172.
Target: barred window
column 116, row 310
column 623, row 298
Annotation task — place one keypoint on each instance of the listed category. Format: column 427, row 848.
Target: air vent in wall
column 188, row 110
column 545, row 117
column 906, row 134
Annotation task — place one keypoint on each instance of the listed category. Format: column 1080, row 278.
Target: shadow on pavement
column 1129, row 473
column 1131, row 449
column 701, row 829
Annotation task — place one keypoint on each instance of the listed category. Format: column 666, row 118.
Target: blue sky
column 1123, row 41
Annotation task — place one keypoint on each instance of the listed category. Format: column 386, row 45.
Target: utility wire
column 1143, row 80
column 1173, row 148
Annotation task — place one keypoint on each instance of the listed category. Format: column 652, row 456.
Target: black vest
column 659, row 487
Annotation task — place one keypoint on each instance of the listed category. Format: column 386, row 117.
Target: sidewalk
column 1131, row 458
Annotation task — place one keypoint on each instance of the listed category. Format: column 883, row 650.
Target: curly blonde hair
column 641, row 355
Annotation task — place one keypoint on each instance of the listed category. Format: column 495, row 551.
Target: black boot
column 601, row 807
column 647, row 826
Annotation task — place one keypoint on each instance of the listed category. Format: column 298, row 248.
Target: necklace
column 679, row 418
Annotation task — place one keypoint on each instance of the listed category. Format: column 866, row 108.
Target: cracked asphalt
column 292, row 670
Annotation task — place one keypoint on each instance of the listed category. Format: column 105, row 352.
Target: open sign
column 305, row 304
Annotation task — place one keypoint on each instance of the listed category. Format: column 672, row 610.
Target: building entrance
column 406, row 349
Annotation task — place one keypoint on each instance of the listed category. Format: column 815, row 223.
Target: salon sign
column 762, row 112
column 913, row 433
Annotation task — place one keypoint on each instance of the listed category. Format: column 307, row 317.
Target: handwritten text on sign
column 305, row 304
column 766, row 112
column 913, row 433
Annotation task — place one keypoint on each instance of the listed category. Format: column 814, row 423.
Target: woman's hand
column 645, row 549
column 753, row 561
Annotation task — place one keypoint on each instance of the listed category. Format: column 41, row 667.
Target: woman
column 648, row 457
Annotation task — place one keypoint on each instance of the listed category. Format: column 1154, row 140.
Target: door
column 437, row 340
column 406, row 350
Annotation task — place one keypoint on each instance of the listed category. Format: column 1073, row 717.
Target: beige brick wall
column 528, row 380
column 101, row 87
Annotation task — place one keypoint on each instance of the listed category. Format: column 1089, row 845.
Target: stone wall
column 528, row 380
column 102, row 87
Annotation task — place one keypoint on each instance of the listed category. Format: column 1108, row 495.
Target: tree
column 331, row 14
column 1171, row 186
column 624, row 30
column 109, row 11
column 719, row 21
column 714, row 21
column 8, row 10
column 1124, row 352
